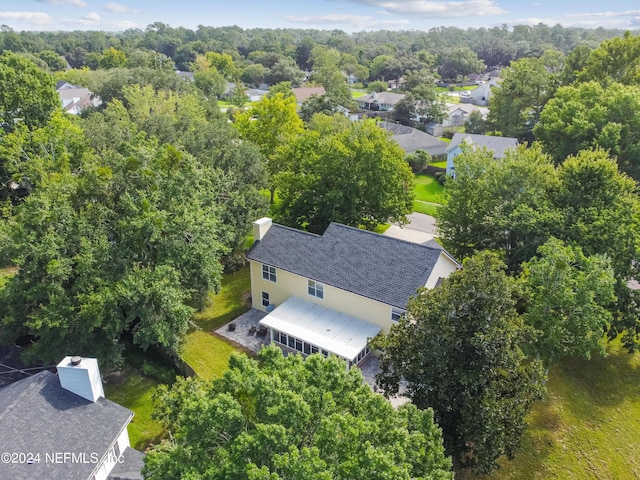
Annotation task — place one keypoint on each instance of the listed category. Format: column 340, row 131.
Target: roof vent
column 76, row 360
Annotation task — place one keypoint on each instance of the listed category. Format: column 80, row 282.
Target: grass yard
column 426, row 208
column 442, row 164
column 588, row 427
column 134, row 392
column 358, row 93
column 208, row 354
column 428, row 189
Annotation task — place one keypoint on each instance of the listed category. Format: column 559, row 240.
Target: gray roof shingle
column 412, row 139
column 38, row 416
column 365, row 263
column 497, row 144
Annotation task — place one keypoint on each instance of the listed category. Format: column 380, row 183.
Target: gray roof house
column 379, row 101
column 498, row 145
column 332, row 292
column 412, row 139
column 75, row 99
column 61, row 427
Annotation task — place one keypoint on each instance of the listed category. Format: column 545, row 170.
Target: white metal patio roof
column 336, row 332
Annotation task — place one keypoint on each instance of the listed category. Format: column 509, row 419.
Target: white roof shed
column 336, row 332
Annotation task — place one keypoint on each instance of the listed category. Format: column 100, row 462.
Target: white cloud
column 91, row 17
column 345, row 19
column 437, row 9
column 35, row 18
column 621, row 20
column 116, row 7
column 77, row 3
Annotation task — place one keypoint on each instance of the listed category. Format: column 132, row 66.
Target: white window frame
column 315, row 289
column 269, row 273
column 396, row 313
column 265, row 297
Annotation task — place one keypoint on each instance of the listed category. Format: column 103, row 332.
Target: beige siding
column 289, row 284
column 444, row 267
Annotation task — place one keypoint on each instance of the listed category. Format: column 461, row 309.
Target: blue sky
column 347, row 15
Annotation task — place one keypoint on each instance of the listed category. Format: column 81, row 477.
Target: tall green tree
column 458, row 63
column 587, row 115
column 353, row 175
column 516, row 104
column 125, row 245
column 27, row 93
column 459, row 347
column 272, row 123
column 568, row 295
column 615, row 60
column 500, row 205
column 285, row 417
column 601, row 213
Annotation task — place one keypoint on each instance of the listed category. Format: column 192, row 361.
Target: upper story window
column 315, row 289
column 396, row 313
column 269, row 273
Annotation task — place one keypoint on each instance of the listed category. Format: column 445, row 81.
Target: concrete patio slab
column 244, row 332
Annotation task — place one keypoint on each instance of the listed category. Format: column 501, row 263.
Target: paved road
column 421, row 228
column 422, row 223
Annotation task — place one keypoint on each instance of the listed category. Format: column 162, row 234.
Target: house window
column 315, row 289
column 283, row 338
column 396, row 313
column 269, row 273
column 265, row 299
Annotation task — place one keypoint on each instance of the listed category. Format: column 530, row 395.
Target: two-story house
column 333, row 292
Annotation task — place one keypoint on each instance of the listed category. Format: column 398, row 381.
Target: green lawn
column 588, row 427
column 358, row 93
column 426, row 208
column 428, row 189
column 442, row 164
column 206, row 353
column 456, row 88
column 135, row 392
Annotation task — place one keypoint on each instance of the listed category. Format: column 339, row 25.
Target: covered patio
column 309, row 328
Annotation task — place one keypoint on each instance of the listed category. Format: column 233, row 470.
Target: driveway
column 420, row 229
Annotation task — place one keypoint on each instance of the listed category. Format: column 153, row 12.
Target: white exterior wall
column 109, row 460
column 444, row 267
column 83, row 379
column 289, row 284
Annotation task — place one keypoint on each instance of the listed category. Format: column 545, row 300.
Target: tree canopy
column 27, row 93
column 285, row 417
column 350, row 173
column 459, row 347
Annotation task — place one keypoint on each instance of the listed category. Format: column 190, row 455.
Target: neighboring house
column 412, row 139
column 61, row 427
column 74, row 99
column 331, row 293
column 481, row 95
column 379, row 101
column 255, row 94
column 186, row 76
column 498, row 145
column 303, row 93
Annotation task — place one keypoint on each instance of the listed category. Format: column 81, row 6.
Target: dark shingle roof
column 375, row 266
column 38, row 416
column 130, row 468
